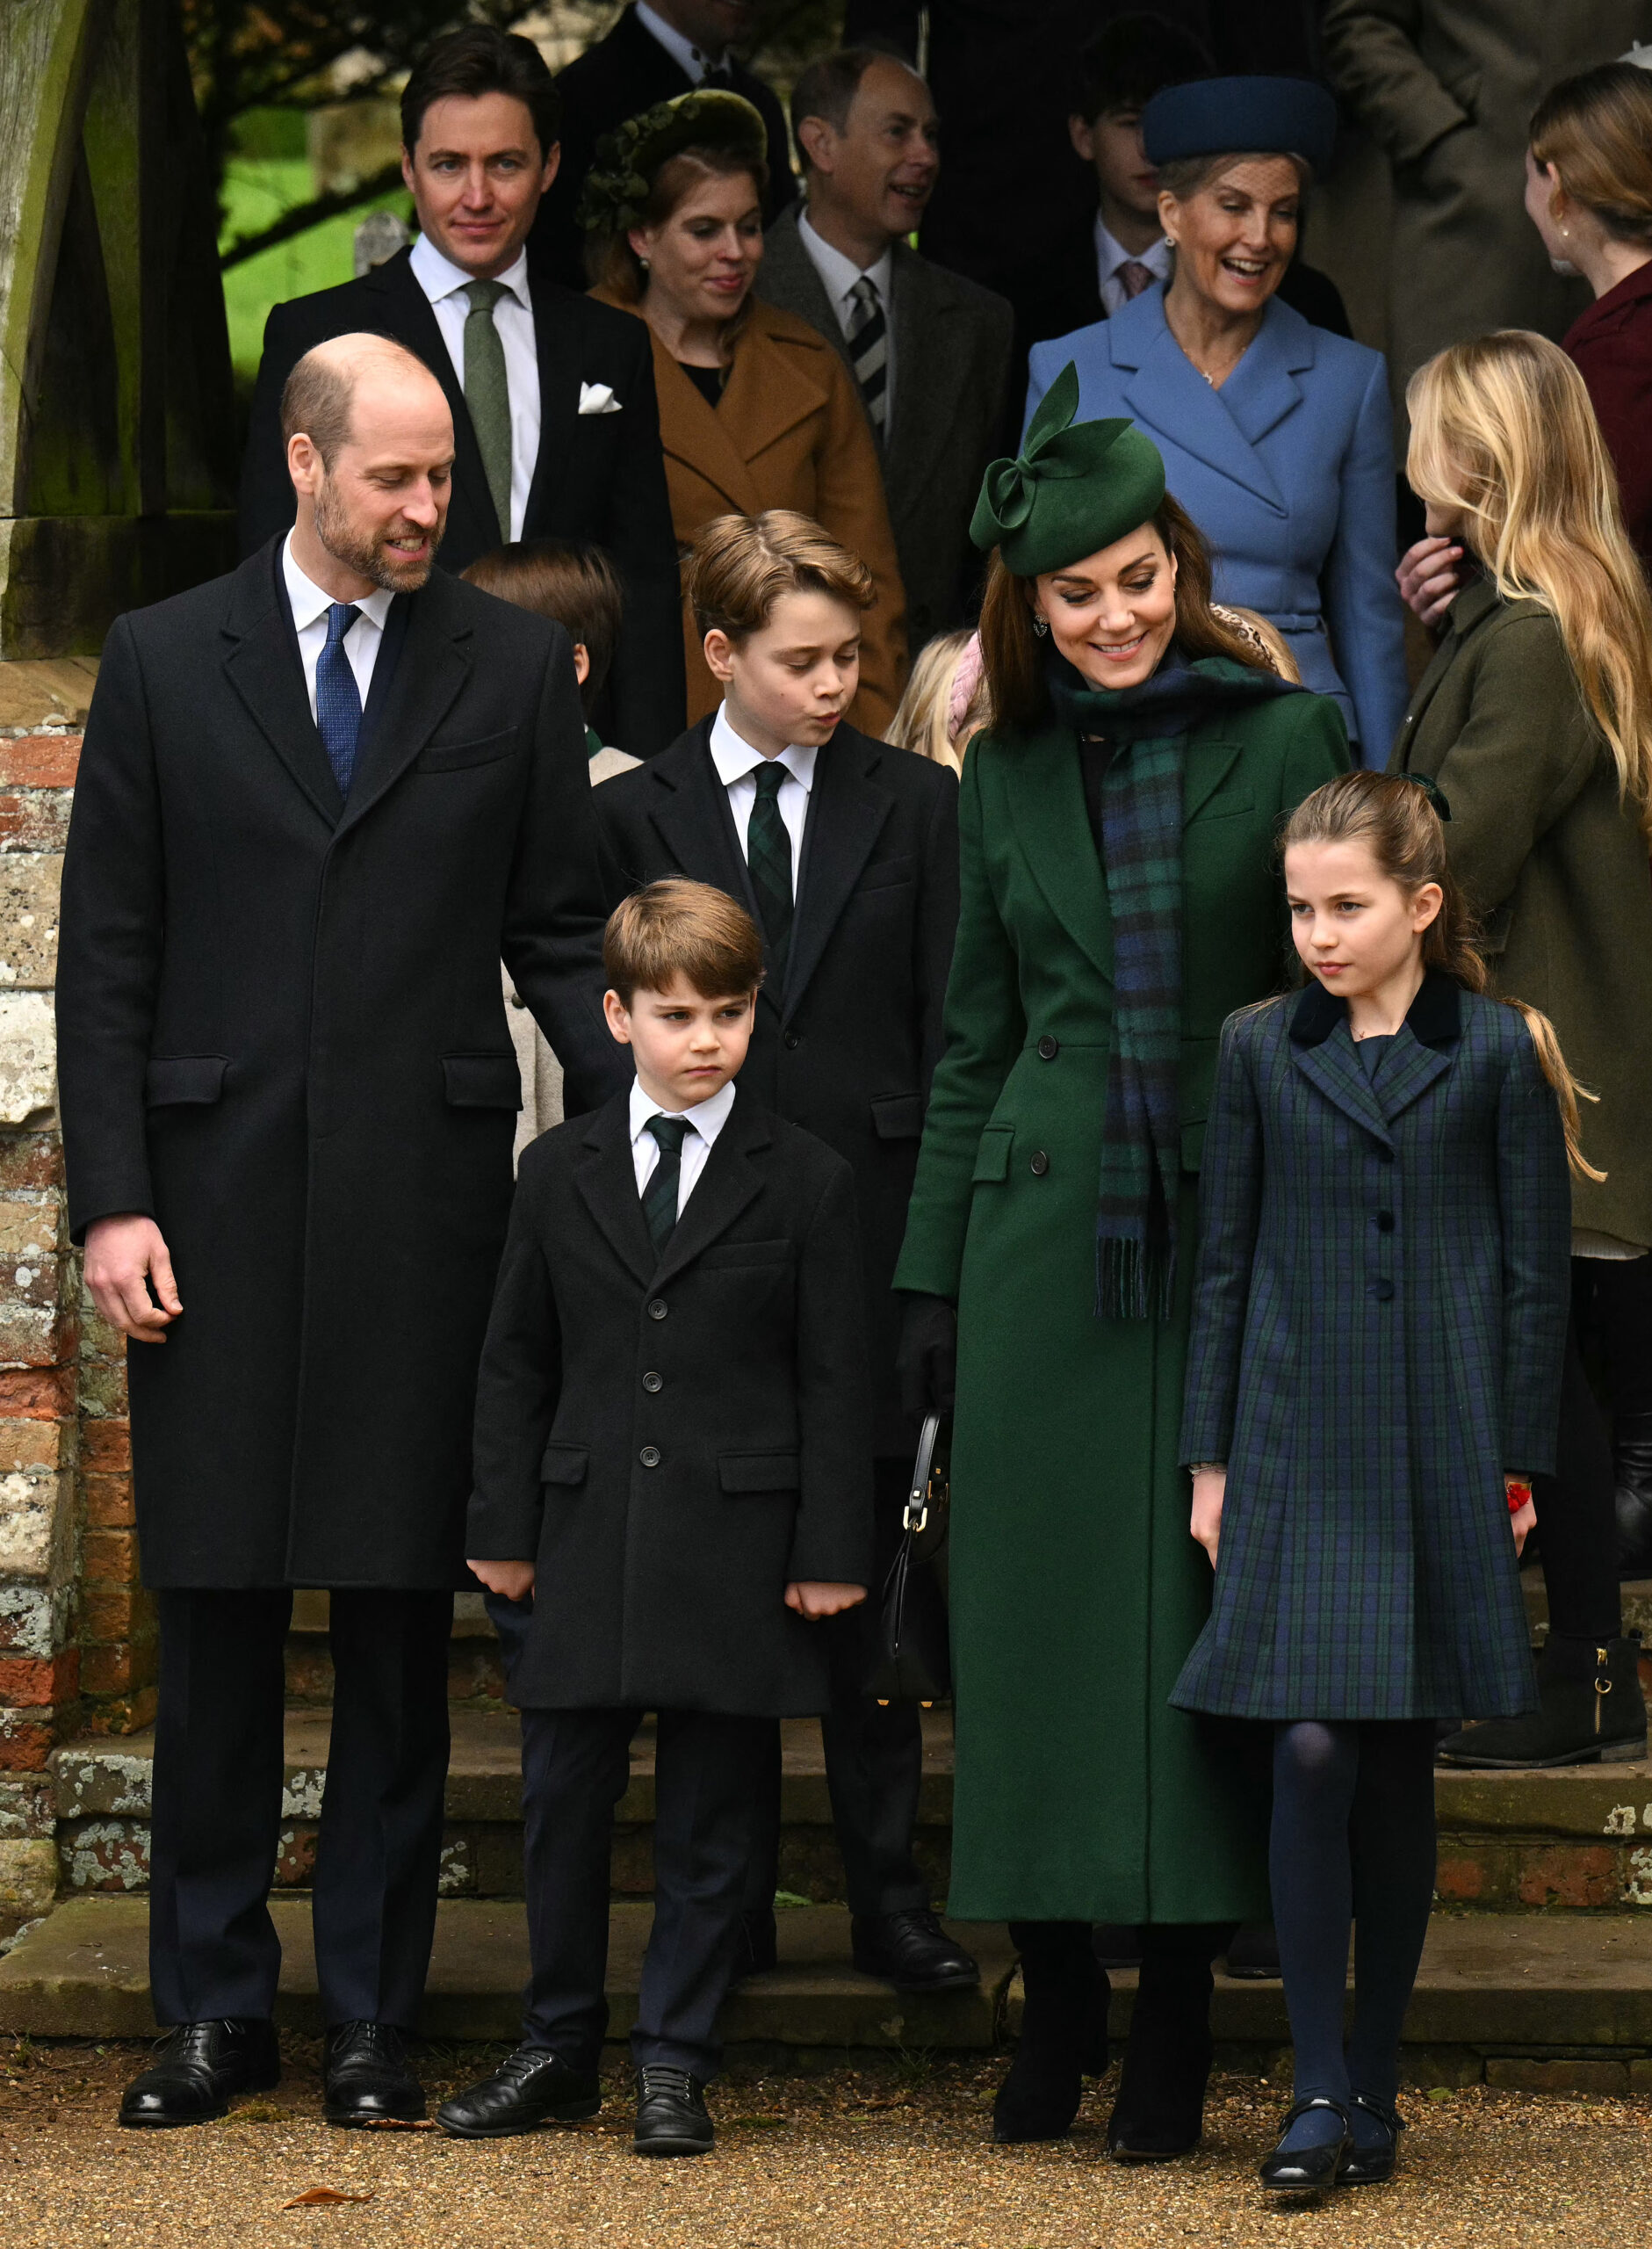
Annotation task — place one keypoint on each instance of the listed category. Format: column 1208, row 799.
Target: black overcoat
column 674, row 1439
column 282, row 1034
column 598, row 476
column 845, row 1046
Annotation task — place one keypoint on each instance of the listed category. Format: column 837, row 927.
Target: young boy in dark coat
column 846, row 851
column 673, row 1485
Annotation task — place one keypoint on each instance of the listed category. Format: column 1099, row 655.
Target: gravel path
column 883, row 2163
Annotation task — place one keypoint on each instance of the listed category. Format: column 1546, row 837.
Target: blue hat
column 1218, row 117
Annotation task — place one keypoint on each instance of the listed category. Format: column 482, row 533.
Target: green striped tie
column 769, row 856
column 488, row 393
column 660, row 1196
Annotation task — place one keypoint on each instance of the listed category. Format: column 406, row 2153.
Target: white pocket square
column 597, row 398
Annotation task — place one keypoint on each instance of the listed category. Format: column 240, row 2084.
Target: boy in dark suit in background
column 672, row 1487
column 846, row 851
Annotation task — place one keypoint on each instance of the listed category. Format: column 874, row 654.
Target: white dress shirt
column 705, row 1120
column 683, row 52
column 737, row 764
column 838, row 275
column 309, row 605
column 444, row 284
column 1110, row 254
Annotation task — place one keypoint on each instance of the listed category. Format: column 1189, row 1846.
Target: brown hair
column 677, row 927
column 740, row 566
column 480, row 58
column 1391, row 815
column 1183, row 177
column 572, row 583
column 1014, row 660
column 609, row 260
column 1595, row 129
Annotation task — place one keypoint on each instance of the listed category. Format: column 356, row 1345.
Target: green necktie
column 488, row 393
column 660, row 1196
column 769, row 856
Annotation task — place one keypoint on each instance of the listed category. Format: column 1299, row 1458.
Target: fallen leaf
column 397, row 2124
column 323, row 2195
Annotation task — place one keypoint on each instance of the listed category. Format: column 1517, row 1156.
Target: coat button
column 1385, row 1221
column 793, row 1039
column 656, row 1308
column 1382, row 1291
column 1048, row 1047
column 650, row 1456
column 1040, row 1164
column 652, row 1382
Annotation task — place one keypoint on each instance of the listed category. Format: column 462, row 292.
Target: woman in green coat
column 1120, row 897
column 1535, row 720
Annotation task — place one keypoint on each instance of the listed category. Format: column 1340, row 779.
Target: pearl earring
column 1041, row 625
column 644, row 263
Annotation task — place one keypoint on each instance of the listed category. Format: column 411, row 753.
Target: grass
column 258, row 191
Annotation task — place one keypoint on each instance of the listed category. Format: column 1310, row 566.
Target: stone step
column 1493, row 1990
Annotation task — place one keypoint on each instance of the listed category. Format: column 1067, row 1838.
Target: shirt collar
column 734, row 759
column 1110, row 253
column 438, row 277
column 707, row 1117
column 841, row 273
column 693, row 59
column 308, row 600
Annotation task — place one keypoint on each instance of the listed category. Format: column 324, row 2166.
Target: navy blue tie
column 337, row 697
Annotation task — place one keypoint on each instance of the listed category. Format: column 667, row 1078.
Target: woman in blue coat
column 1276, row 436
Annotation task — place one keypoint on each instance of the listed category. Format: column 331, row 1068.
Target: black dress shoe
column 1253, row 1952
column 1368, row 2167
column 533, row 2087
column 671, row 2118
column 1307, row 2167
column 912, row 1951
column 758, row 1949
column 199, row 2069
column 366, row 2078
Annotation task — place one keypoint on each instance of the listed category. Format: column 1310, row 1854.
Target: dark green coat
column 1554, row 865
column 1077, row 1591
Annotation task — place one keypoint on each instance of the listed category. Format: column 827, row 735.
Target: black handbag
column 914, row 1653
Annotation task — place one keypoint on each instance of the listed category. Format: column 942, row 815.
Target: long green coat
column 1554, row 865
column 1077, row 1591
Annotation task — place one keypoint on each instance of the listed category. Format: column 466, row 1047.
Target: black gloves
column 926, row 1362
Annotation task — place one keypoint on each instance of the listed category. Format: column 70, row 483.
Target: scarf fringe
column 1133, row 1279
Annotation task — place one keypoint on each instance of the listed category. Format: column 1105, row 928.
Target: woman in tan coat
column 756, row 408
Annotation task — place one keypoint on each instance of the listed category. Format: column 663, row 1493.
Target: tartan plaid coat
column 1379, row 1320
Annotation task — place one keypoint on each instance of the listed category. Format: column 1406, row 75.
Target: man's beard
column 371, row 558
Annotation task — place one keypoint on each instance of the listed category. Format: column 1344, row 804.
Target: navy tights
column 1351, row 1846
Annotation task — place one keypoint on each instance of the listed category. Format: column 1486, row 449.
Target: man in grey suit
column 929, row 351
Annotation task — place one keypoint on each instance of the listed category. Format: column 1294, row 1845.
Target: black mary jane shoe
column 197, row 2070
column 912, row 1951
column 1307, row 2167
column 1369, row 2166
column 671, row 2115
column 366, row 2078
column 532, row 2087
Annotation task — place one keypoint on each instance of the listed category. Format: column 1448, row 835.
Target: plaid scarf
column 1146, row 727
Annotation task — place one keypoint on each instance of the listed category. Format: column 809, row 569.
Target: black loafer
column 1368, row 2167
column 1306, row 2168
column 197, row 2070
column 912, row 1951
column 365, row 2077
column 533, row 2087
column 671, row 2117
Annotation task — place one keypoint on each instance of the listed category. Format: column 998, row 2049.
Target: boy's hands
column 813, row 1598
column 1209, row 1487
column 511, row 1580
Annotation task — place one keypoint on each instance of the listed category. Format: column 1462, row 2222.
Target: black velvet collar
column 1434, row 1017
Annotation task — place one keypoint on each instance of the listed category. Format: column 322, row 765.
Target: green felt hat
column 629, row 159
column 1074, row 486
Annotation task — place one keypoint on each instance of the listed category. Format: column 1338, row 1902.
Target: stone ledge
column 44, row 691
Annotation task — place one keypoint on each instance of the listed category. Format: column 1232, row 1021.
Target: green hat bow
column 1073, row 489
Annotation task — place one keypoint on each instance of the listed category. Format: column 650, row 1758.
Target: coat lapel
column 607, row 1178
column 263, row 668
column 1474, row 604
column 434, row 666
column 729, row 1183
column 1327, row 1057
column 927, row 395
column 1166, row 393
column 847, row 813
column 1053, row 829
column 759, row 407
column 1263, row 388
column 559, row 401
column 689, row 814
column 1206, row 766
column 1426, row 1046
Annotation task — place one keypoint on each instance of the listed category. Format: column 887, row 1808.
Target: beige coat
column 789, row 432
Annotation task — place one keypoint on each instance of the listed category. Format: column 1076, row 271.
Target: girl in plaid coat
column 1373, row 1378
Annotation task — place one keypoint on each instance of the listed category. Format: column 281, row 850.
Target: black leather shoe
column 1368, row 2167
column 1307, row 2167
column 1063, row 2040
column 671, row 2118
column 1253, row 1952
column 366, row 2078
column 912, row 1951
column 758, row 1949
column 199, row 2069
column 533, row 2087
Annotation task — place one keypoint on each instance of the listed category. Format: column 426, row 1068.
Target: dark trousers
column 218, row 1788
column 708, row 1775
column 1576, row 1511
column 874, row 1755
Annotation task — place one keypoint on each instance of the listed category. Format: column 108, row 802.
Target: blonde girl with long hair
column 1535, row 721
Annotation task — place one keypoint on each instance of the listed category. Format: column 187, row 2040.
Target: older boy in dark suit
column 846, row 851
column 672, row 1485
